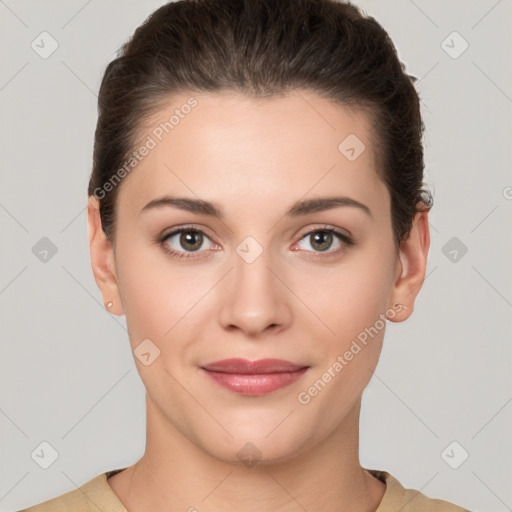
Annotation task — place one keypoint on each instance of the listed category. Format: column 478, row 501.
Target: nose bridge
column 254, row 299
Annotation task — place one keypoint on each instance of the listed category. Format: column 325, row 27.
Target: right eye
column 190, row 240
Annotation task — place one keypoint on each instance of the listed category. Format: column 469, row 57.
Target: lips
column 254, row 378
column 244, row 366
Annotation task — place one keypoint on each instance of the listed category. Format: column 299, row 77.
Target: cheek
column 162, row 299
column 350, row 296
column 353, row 305
column 152, row 299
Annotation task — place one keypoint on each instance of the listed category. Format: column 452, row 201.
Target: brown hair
column 264, row 48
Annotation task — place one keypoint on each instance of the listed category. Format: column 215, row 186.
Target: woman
column 257, row 212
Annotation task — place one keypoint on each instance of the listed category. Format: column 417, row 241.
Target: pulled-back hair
column 264, row 48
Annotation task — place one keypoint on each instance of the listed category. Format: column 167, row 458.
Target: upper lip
column 253, row 367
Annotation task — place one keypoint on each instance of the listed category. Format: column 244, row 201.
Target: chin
column 250, row 447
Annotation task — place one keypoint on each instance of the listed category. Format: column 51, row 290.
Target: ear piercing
column 110, row 304
column 388, row 317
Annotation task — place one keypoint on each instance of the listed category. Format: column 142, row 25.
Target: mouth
column 254, row 378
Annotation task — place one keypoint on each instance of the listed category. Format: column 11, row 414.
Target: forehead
column 227, row 147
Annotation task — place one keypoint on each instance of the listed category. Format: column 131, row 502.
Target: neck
column 176, row 473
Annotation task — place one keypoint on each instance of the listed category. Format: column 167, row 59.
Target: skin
column 254, row 158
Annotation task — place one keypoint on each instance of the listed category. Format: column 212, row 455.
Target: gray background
column 67, row 373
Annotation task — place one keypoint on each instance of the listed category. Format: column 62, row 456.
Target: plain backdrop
column 438, row 411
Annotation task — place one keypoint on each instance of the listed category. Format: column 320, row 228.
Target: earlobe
column 102, row 259
column 413, row 263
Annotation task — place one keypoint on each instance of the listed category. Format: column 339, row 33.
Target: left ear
column 412, row 265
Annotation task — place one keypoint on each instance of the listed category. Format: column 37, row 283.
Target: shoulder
column 92, row 496
column 397, row 497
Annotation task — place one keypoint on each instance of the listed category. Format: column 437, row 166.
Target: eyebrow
column 302, row 207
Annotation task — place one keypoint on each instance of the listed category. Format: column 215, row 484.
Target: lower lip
column 255, row 384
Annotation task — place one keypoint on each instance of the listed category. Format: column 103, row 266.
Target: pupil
column 188, row 237
column 323, row 235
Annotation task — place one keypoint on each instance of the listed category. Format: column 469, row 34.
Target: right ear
column 102, row 259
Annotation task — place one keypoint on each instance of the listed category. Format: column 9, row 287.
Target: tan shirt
column 97, row 495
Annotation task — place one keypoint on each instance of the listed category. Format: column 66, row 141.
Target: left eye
column 322, row 239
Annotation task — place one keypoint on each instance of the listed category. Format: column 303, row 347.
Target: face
column 271, row 274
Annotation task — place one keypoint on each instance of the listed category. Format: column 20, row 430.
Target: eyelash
column 348, row 242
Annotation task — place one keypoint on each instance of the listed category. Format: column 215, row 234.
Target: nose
column 254, row 298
